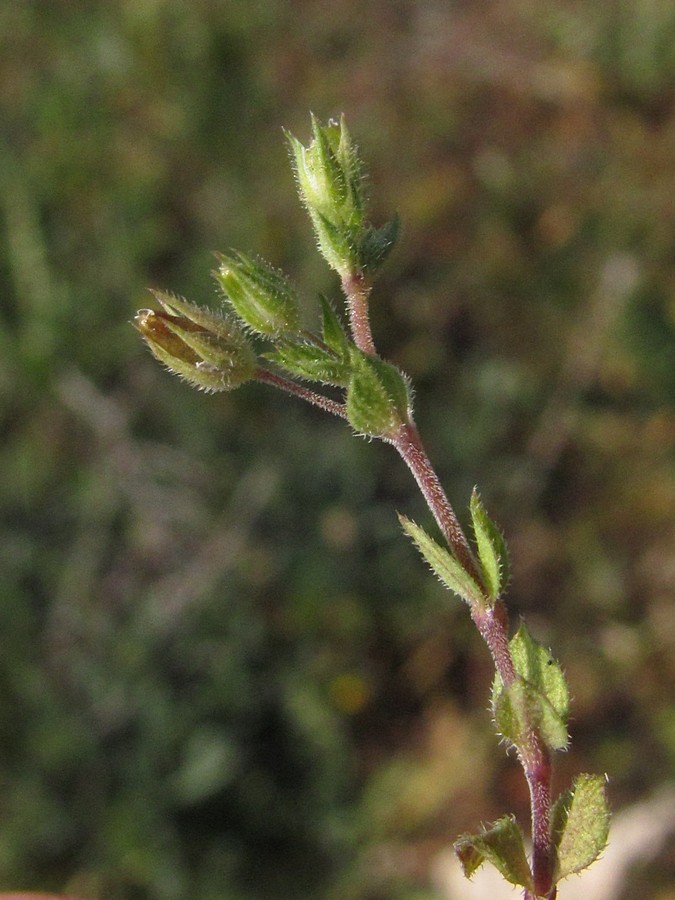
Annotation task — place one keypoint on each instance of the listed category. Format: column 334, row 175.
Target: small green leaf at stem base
column 580, row 825
column 501, row 845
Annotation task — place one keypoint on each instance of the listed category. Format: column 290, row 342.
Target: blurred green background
column 223, row 671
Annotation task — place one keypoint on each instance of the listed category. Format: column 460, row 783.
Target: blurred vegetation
column 223, row 672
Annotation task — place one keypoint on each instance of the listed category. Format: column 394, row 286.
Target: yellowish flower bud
column 205, row 349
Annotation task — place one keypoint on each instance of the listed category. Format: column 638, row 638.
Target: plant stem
column 357, row 291
column 493, row 626
column 536, row 764
column 409, row 446
column 492, row 623
column 297, row 390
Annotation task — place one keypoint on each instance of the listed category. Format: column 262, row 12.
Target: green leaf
column 580, row 822
column 492, row 552
column 377, row 243
column 502, row 845
column 334, row 335
column 519, row 707
column 307, row 359
column 444, row 565
column 535, row 664
column 378, row 397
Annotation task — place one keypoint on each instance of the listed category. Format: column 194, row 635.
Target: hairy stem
column 492, row 621
column 409, row 446
column 357, row 291
column 493, row 625
column 297, row 390
column 537, row 767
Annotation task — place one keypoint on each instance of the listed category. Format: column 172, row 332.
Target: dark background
column 224, row 673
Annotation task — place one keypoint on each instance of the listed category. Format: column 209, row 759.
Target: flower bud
column 378, row 396
column 260, row 295
column 330, row 184
column 202, row 347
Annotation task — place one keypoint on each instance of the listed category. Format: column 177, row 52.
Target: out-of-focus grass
column 222, row 672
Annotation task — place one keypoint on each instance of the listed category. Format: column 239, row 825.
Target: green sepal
column 335, row 157
column 261, row 295
column 503, row 846
column 311, row 361
column 580, row 824
column 377, row 243
column 519, row 707
column 445, row 566
column 534, row 663
column 338, row 242
column 492, row 553
column 378, row 396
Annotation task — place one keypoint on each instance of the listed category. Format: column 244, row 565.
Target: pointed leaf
column 377, row 244
column 334, row 335
column 445, row 566
column 492, row 552
column 580, row 821
column 502, row 845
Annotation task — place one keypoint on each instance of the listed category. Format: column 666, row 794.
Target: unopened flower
column 330, row 183
column 261, row 295
column 204, row 348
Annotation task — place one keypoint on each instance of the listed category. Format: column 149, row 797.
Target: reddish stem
column 536, row 762
column 297, row 390
column 357, row 291
column 409, row 446
column 493, row 624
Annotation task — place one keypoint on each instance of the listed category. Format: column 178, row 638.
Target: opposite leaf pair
column 580, row 825
column 493, row 558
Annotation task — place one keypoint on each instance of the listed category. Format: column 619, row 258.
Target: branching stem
column 491, row 621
